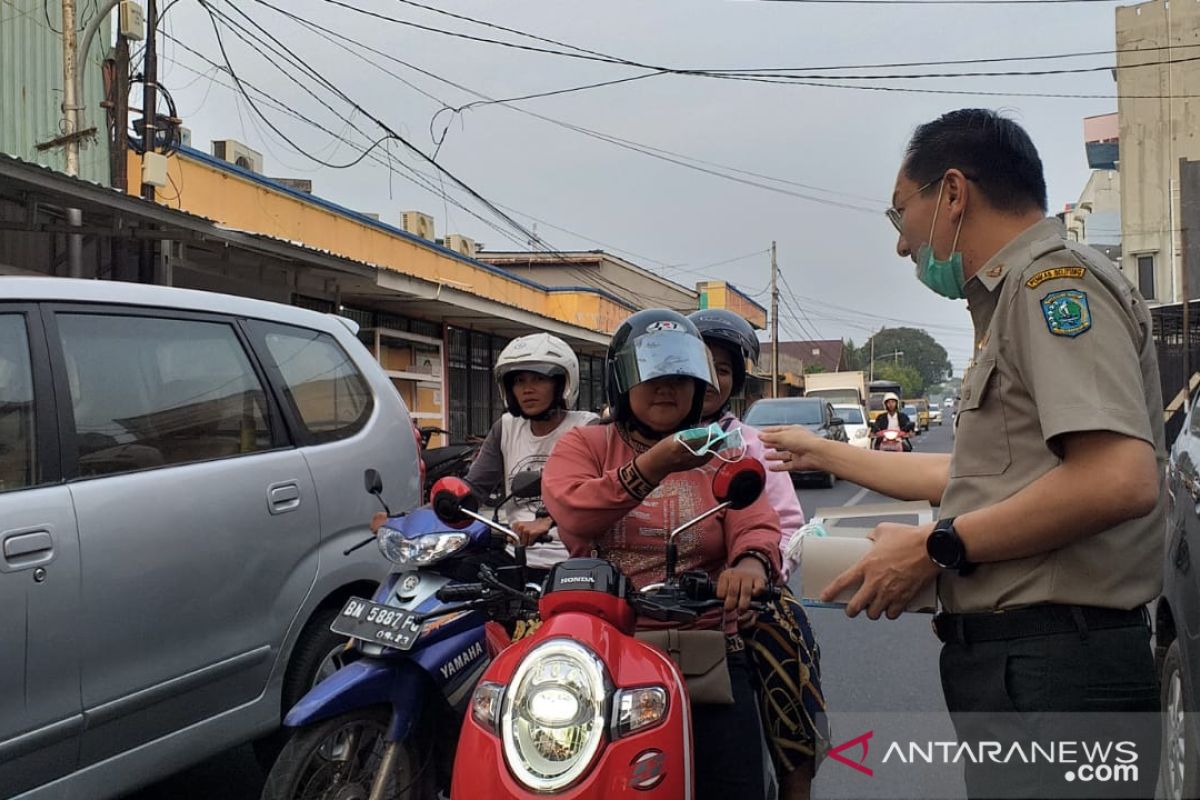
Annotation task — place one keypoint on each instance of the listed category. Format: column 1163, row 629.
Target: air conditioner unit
column 418, row 224
column 237, row 153
column 461, row 244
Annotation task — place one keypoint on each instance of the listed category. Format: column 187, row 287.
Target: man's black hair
column 995, row 153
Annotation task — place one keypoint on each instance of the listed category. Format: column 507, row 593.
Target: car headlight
column 554, row 717
column 420, row 551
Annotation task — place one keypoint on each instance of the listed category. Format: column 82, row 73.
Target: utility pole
column 149, row 127
column 150, row 95
column 774, row 323
column 872, row 356
column 70, row 107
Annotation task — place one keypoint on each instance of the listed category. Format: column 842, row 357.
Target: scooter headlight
column 421, row 551
column 554, row 715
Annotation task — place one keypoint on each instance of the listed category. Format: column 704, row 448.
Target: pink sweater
column 584, row 486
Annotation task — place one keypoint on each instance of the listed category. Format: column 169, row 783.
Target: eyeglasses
column 897, row 217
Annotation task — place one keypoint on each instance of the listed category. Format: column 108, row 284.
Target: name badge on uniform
column 1067, row 312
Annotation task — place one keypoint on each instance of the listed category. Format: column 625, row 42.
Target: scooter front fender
column 362, row 683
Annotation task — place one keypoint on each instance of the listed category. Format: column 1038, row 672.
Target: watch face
column 944, row 549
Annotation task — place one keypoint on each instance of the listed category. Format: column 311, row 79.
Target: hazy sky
column 845, row 142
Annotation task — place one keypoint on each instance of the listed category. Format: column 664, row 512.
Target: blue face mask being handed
column 943, row 276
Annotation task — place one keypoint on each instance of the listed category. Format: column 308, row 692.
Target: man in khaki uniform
column 1049, row 541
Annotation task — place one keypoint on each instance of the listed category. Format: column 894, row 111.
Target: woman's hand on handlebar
column 377, row 521
column 738, row 584
column 532, row 532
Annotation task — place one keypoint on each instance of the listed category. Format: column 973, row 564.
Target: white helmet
column 543, row 354
column 891, row 396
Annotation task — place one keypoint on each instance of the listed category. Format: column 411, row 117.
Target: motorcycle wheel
column 339, row 758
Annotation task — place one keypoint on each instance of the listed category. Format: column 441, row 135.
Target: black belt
column 1040, row 620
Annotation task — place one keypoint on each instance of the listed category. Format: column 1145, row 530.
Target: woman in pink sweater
column 781, row 645
column 616, row 490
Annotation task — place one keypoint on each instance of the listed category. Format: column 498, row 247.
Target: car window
column 850, row 415
column 910, row 410
column 152, row 392
column 326, row 389
column 18, row 465
column 796, row 413
column 1194, row 423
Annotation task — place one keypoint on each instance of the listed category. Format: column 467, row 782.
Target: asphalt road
column 883, row 666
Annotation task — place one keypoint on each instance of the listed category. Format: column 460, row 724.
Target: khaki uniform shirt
column 1063, row 345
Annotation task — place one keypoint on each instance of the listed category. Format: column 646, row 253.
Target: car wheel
column 319, row 652
column 1179, row 747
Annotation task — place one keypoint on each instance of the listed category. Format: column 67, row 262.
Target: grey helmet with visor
column 656, row 343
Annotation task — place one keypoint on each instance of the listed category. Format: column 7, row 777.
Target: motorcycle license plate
column 372, row 622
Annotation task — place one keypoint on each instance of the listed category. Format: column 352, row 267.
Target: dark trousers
column 728, row 749
column 1084, row 686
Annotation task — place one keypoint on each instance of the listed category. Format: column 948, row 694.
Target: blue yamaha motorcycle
column 385, row 726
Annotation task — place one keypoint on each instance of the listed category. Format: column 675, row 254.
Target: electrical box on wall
column 132, row 21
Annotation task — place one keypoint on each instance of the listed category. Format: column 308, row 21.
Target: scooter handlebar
column 460, row 592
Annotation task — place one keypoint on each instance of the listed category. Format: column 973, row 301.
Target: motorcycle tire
column 314, row 647
column 340, row 757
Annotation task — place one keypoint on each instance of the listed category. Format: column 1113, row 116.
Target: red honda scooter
column 582, row 709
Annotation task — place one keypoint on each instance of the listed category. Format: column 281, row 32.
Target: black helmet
column 656, row 343
column 725, row 327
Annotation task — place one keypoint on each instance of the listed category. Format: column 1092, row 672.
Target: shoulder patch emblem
column 1054, row 274
column 1067, row 312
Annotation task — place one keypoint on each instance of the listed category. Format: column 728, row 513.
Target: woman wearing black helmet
column 616, row 488
column 781, row 647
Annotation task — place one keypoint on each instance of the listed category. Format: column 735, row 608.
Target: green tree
column 920, row 350
column 812, row 369
column 854, row 356
column 908, row 378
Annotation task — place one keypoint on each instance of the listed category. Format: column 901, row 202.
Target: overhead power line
column 579, row 53
column 689, row 162
column 391, row 134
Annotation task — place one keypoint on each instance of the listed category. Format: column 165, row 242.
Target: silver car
column 180, row 473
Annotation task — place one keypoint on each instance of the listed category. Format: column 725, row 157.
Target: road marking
column 863, row 492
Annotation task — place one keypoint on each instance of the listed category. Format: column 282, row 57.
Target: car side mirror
column 837, row 421
column 373, row 482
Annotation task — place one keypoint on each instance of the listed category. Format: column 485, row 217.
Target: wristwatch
column 946, row 549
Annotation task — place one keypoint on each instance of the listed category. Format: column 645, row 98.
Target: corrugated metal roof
column 31, row 86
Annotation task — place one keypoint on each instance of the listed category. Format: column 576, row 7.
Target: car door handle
column 27, row 549
column 283, row 497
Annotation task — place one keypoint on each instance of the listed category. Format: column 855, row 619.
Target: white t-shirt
column 525, row 452
column 893, row 421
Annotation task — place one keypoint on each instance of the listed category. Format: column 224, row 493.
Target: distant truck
column 837, row 387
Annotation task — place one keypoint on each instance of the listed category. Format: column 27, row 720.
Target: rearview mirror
column 373, row 482
column 527, row 485
column 739, row 483
column 451, row 496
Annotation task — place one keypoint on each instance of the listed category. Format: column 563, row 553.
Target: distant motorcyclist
column 892, row 419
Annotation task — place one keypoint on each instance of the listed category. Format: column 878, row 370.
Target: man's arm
column 904, row 476
column 1105, row 479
